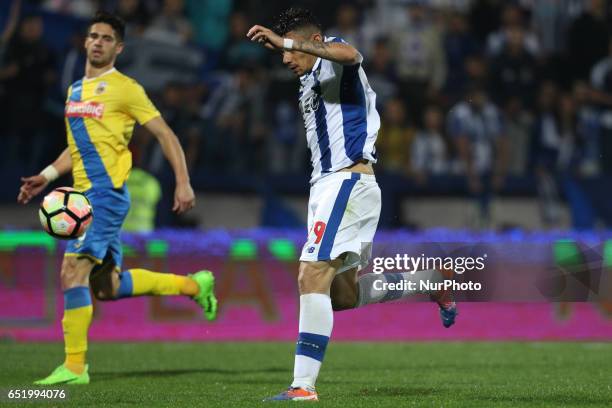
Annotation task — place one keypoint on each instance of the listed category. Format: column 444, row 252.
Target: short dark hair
column 112, row 20
column 295, row 18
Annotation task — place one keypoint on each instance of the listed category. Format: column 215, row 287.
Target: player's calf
column 316, row 321
column 386, row 287
column 343, row 301
column 78, row 312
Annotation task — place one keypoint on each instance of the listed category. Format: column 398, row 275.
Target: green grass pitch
column 354, row 374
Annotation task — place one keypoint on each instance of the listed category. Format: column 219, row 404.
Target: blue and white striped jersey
column 339, row 111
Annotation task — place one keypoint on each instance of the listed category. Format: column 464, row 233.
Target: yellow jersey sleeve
column 137, row 104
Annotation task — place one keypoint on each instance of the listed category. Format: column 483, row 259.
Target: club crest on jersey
column 101, row 88
column 311, row 104
column 76, row 109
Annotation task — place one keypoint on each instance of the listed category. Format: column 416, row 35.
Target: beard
column 99, row 61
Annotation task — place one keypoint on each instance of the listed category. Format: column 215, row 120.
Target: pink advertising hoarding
column 259, row 300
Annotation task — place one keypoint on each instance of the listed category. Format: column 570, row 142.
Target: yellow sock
column 77, row 318
column 144, row 282
column 75, row 362
column 188, row 286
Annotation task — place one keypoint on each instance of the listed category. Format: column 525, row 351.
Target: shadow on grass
column 557, row 400
column 396, row 392
column 112, row 375
column 553, row 400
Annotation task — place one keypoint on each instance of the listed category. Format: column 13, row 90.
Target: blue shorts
column 102, row 241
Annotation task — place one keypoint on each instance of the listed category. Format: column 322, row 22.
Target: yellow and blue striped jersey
column 100, row 116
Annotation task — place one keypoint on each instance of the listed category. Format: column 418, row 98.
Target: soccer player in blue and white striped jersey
column 339, row 111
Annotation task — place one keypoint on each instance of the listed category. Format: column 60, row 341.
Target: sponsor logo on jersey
column 101, row 88
column 84, row 110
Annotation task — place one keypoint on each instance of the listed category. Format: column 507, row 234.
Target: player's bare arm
column 184, row 198
column 33, row 185
column 334, row 51
column 341, row 53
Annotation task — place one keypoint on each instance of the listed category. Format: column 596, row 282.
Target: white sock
column 316, row 322
column 370, row 293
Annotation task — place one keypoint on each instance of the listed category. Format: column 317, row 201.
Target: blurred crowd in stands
column 476, row 96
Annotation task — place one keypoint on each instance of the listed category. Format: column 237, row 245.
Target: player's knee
column 314, row 277
column 68, row 273
column 305, row 276
column 75, row 272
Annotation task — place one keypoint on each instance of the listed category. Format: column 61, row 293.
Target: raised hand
column 31, row 187
column 266, row 37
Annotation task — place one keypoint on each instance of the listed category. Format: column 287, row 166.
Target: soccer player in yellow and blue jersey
column 101, row 111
